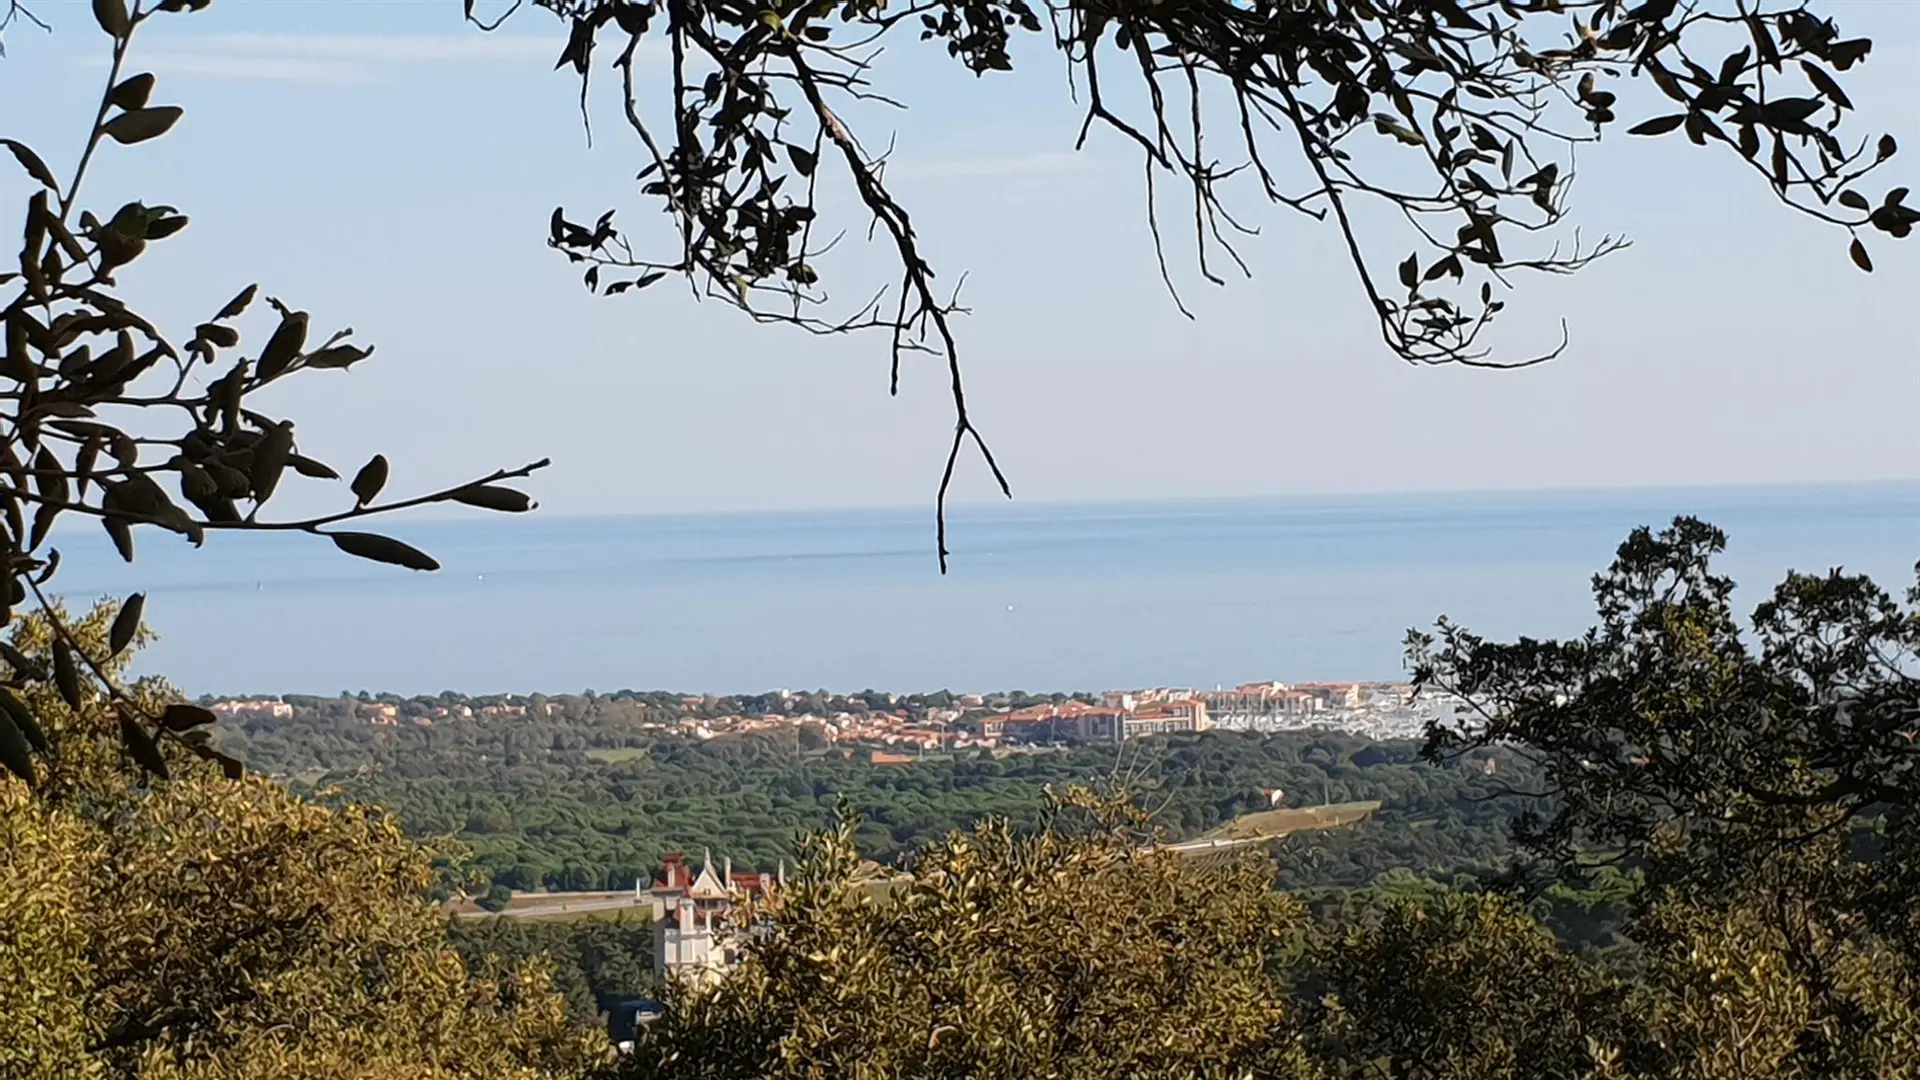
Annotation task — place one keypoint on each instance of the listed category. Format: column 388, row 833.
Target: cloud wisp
column 332, row 58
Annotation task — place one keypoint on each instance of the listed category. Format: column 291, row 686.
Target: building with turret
column 694, row 936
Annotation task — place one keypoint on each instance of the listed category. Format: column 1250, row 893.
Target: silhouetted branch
column 1460, row 117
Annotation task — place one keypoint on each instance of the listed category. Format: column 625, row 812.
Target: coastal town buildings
column 253, row 709
column 889, row 729
column 1075, row 721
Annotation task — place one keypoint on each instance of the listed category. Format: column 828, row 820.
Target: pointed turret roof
column 707, row 885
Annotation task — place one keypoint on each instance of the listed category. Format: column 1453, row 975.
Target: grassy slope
column 1277, row 823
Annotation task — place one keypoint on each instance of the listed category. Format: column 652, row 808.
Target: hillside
column 539, row 809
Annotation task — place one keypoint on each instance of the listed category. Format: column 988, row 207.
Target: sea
column 1038, row 597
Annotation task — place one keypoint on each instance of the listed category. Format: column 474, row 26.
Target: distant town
column 896, row 727
column 688, row 903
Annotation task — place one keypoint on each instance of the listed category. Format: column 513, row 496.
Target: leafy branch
column 81, row 368
column 1459, row 118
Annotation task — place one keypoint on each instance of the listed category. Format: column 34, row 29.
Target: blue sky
column 388, row 168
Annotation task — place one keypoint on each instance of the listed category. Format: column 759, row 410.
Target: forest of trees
column 522, row 795
column 539, row 813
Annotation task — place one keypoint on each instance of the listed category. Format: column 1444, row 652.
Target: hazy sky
column 388, row 168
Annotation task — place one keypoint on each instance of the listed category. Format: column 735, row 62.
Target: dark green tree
column 1763, row 786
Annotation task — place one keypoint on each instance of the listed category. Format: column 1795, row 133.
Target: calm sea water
column 1040, row 597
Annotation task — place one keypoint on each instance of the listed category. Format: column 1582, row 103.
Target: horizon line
column 1753, row 486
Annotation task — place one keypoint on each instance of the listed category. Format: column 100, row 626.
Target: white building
column 693, row 933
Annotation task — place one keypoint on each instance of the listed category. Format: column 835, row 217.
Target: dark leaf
column 122, row 534
column 23, row 719
column 126, row 624
column 1763, row 41
column 1858, row 251
column 1887, row 147
column 230, row 767
column 43, row 519
column 1732, row 66
column 383, row 549
column 238, row 304
column 318, row 470
column 494, row 497
column 1853, row 200
column 197, row 484
column 31, row 162
column 283, row 346
column 225, row 337
column 65, row 675
column 140, row 125
column 579, row 47
column 803, row 160
column 162, row 227
column 270, row 456
column 182, row 717
column 1352, row 99
column 1385, row 124
column 1410, row 271
column 140, row 745
column 22, row 665
column 1659, row 125
column 132, row 92
column 15, row 752
column 370, row 479
column 1789, row 110
column 338, row 356
column 1845, row 54
column 1448, row 265
column 113, row 17
column 50, row 477
column 633, row 18
column 1824, row 83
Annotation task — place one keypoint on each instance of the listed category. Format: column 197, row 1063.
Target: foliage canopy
column 206, row 928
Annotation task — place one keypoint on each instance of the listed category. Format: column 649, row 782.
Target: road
column 1187, row 847
column 546, row 905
